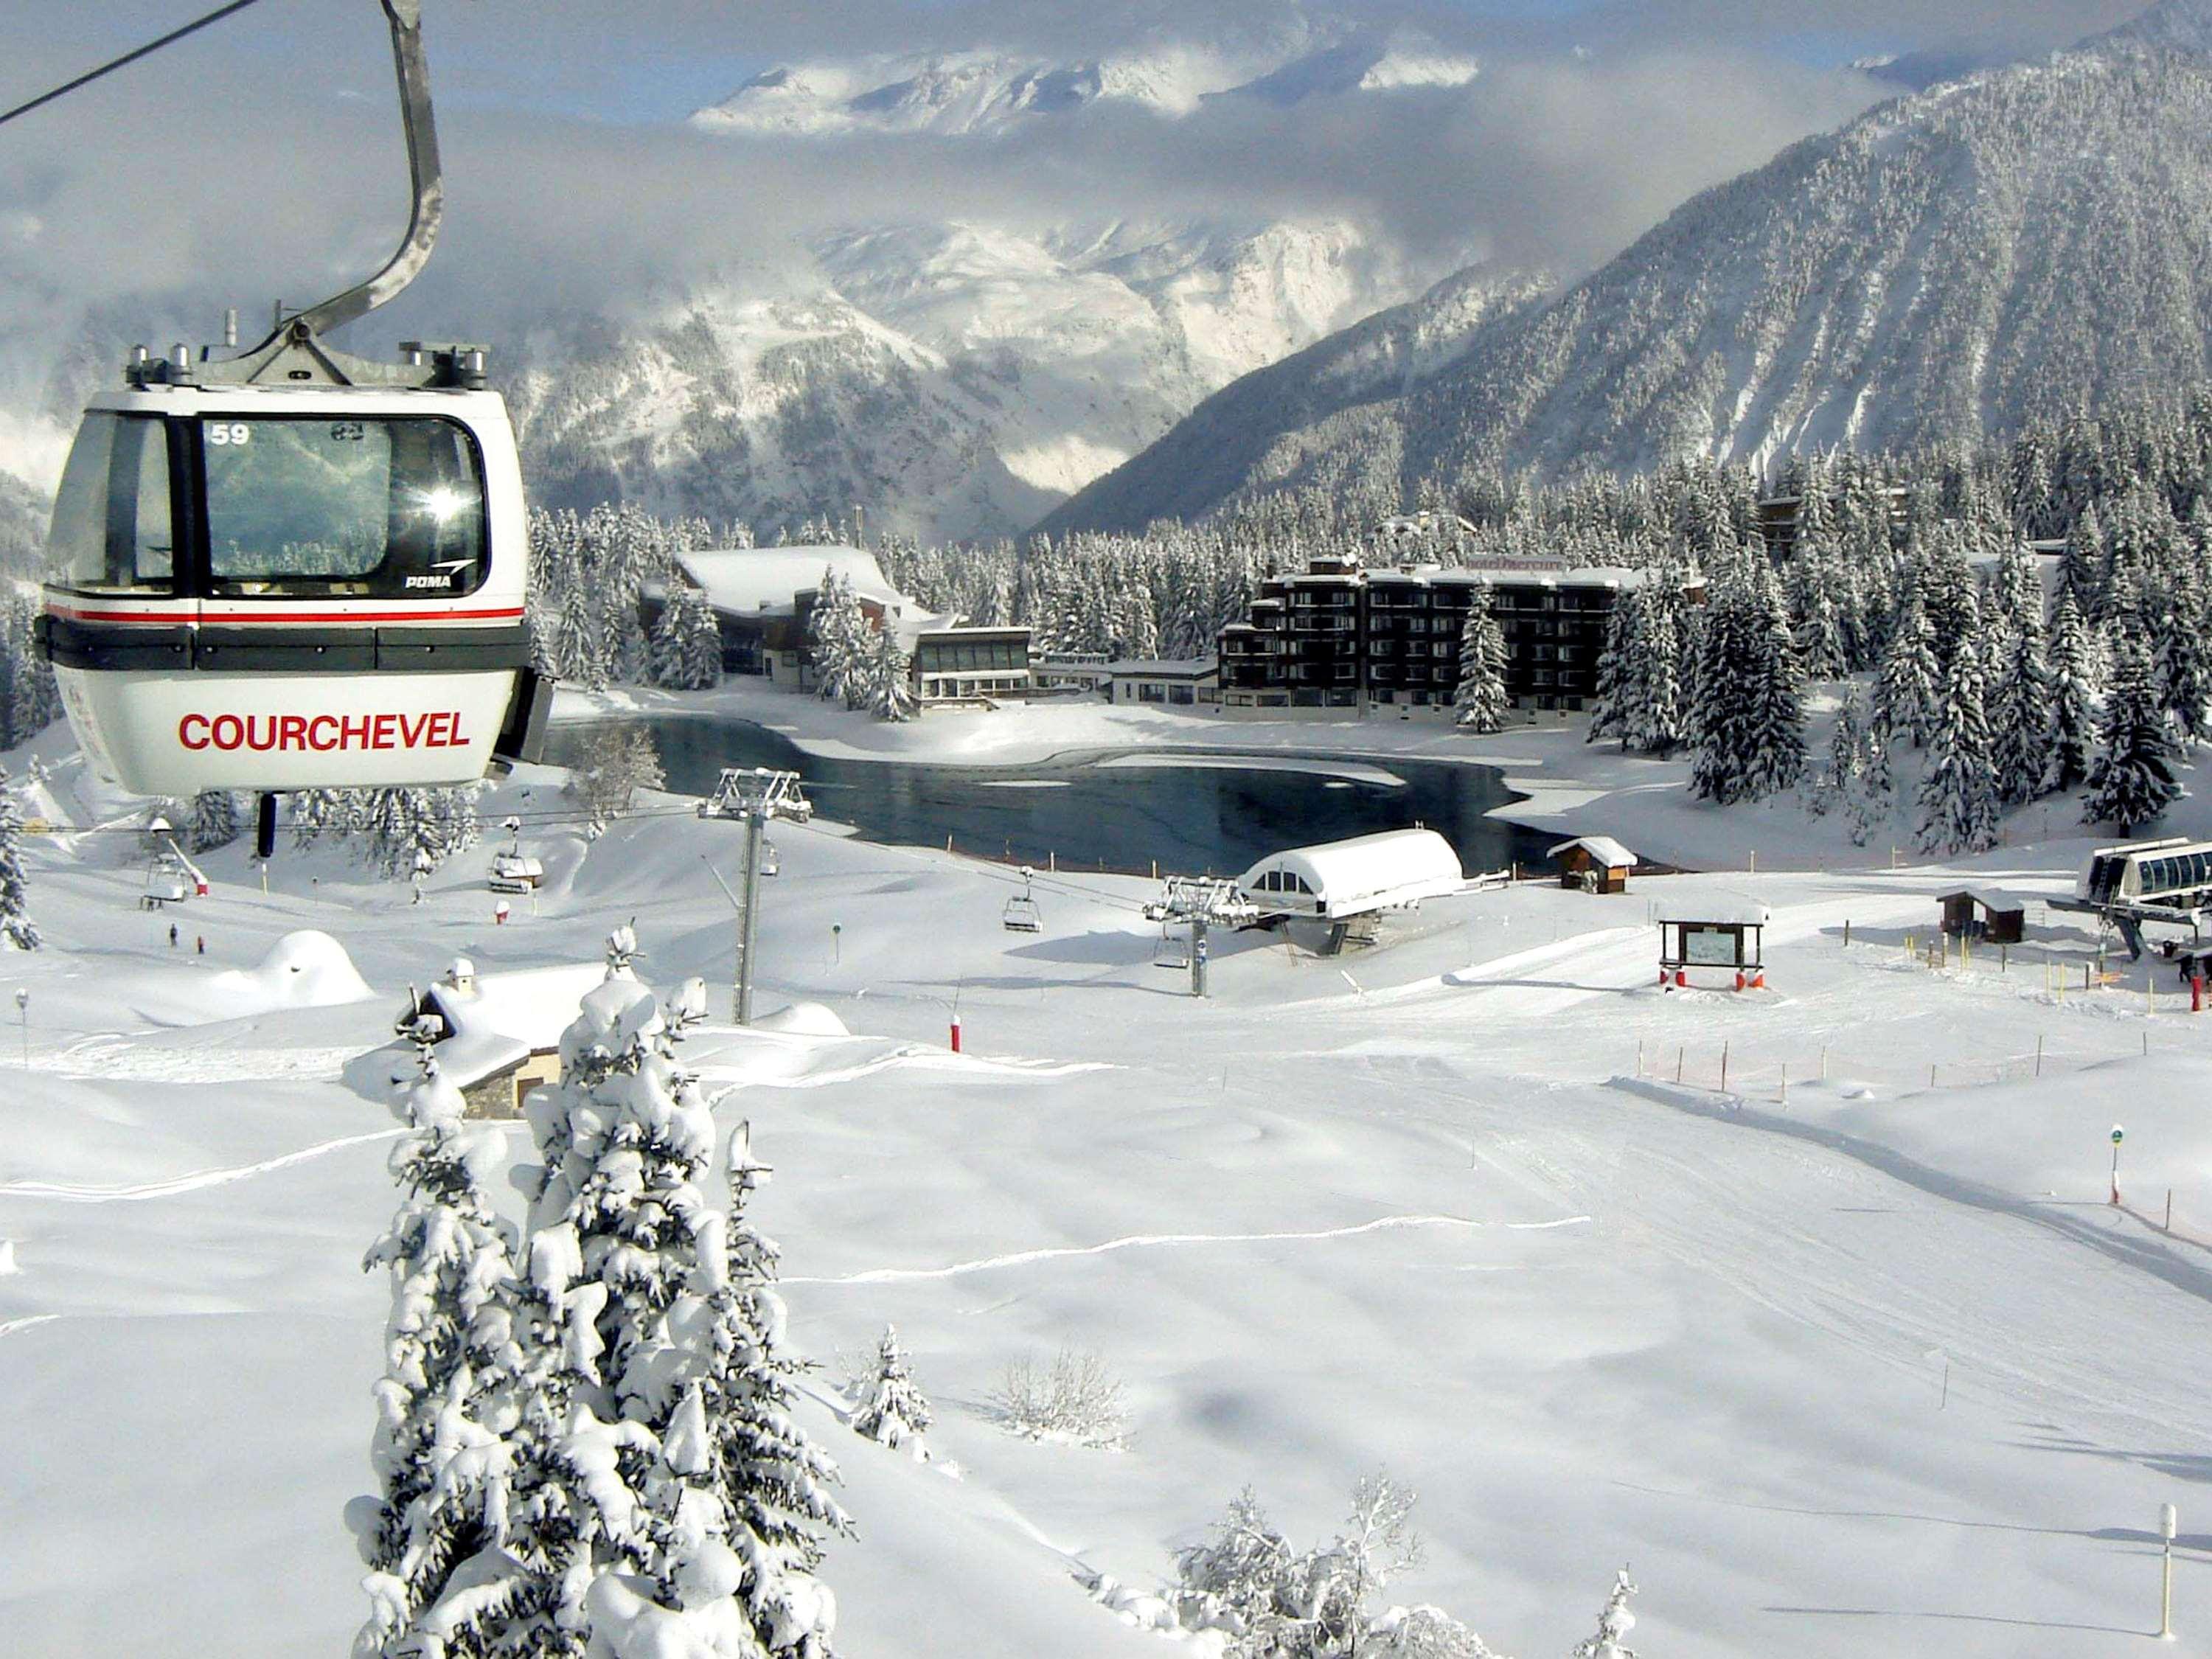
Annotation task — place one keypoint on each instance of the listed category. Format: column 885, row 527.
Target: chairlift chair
column 1171, row 953
column 1021, row 915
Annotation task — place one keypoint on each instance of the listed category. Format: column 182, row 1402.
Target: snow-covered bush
column 892, row 1411
column 1074, row 1397
column 1612, row 1624
column 16, row 927
column 1272, row 1601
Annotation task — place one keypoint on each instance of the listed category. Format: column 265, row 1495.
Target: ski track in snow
column 60, row 1194
column 1149, row 1241
column 116, row 1056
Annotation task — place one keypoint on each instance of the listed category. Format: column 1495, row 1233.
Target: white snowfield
column 1867, row 1364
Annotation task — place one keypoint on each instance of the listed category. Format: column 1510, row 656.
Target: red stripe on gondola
column 172, row 618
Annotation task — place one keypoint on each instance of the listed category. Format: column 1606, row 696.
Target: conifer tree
column 894, row 1413
column 213, row 821
column 2072, row 709
column 1615, row 706
column 16, row 927
column 450, row 1261
column 687, row 641
column 891, row 689
column 1721, row 699
column 1658, row 724
column 1480, row 698
column 1905, row 692
column 1774, row 740
column 1958, row 794
column 2132, row 780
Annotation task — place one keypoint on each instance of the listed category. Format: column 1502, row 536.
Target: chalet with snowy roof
column 763, row 597
column 500, row 1034
column 1343, row 638
column 1596, row 864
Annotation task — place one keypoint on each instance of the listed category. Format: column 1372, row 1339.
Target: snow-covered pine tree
column 1478, row 702
column 1819, row 633
column 890, row 689
column 1721, row 695
column 894, row 1412
column 686, row 653
column 1659, row 725
column 449, row 1337
column 16, row 927
column 1773, row 752
column 1621, row 672
column 213, row 822
column 2183, row 654
column 2071, row 712
column 1958, row 794
column 1908, row 686
column 2132, row 780
column 778, row 1480
column 1613, row 1625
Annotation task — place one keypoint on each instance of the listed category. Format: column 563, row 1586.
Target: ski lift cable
column 128, row 57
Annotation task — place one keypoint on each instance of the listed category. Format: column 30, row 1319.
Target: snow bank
column 305, row 969
column 803, row 1019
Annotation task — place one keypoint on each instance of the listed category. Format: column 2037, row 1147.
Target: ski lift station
column 1338, row 880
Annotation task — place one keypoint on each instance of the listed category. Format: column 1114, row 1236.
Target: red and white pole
column 955, row 1034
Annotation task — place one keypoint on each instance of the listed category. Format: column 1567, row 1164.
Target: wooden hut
column 1596, row 864
column 1987, row 914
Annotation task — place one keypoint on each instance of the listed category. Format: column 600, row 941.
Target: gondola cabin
column 271, row 588
column 1339, row 879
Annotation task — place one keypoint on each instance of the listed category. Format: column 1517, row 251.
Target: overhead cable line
column 128, row 57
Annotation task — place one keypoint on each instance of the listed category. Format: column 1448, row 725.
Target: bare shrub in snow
column 1075, row 1398
column 1272, row 1601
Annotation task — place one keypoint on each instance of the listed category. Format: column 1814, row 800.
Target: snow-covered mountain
column 982, row 91
column 1949, row 264
column 951, row 380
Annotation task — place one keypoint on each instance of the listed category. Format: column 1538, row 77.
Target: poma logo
column 440, row 580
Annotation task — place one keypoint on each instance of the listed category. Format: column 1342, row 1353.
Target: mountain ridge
column 1947, row 266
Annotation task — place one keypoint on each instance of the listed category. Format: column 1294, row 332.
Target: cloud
column 263, row 162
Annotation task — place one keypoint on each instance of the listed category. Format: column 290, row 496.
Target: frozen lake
column 1114, row 810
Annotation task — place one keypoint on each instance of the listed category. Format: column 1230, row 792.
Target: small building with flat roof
column 1186, row 683
column 1992, row 913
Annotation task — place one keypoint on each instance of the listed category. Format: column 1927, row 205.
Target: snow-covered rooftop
column 1721, row 909
column 1179, row 668
column 763, row 581
column 1396, row 866
column 1993, row 898
column 508, row 1018
column 1604, row 849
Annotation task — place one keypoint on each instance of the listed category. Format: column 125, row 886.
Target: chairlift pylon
column 1021, row 915
column 292, row 567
